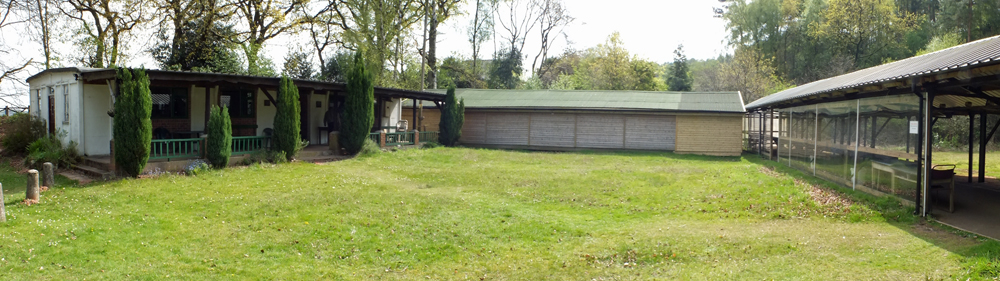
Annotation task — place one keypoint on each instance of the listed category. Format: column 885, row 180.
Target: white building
column 77, row 101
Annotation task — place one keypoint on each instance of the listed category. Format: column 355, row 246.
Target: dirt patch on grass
column 768, row 171
column 825, row 197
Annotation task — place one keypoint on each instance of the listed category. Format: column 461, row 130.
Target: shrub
column 430, row 145
column 286, row 121
column 133, row 130
column 196, row 167
column 265, row 156
column 50, row 149
column 219, row 145
column 452, row 118
column 20, row 130
column 369, row 148
column 359, row 107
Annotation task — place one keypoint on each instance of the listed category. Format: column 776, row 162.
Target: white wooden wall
column 570, row 130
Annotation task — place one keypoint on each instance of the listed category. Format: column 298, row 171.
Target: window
column 170, row 102
column 38, row 103
column 241, row 102
column 65, row 103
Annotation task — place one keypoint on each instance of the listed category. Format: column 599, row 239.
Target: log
column 3, row 213
column 48, row 175
column 31, row 193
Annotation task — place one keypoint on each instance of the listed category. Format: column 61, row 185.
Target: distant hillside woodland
column 776, row 43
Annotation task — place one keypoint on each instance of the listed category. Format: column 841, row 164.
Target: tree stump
column 48, row 175
column 31, row 194
column 3, row 213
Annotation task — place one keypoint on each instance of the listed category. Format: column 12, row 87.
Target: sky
column 650, row 29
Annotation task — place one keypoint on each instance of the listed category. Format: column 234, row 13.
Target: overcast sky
column 650, row 29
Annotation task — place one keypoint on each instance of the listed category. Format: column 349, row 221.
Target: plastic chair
column 944, row 176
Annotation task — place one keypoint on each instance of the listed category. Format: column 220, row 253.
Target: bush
column 133, row 130
column 265, row 156
column 286, row 121
column 219, row 145
column 196, row 167
column 20, row 130
column 50, row 149
column 369, row 148
column 452, row 119
column 430, row 145
column 359, row 107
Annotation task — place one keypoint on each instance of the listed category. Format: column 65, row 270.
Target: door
column 52, row 115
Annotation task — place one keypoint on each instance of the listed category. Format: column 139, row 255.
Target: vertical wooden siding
column 709, row 135
column 553, row 129
column 650, row 132
column 568, row 130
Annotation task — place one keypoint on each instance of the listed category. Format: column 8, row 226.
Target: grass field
column 961, row 162
column 452, row 213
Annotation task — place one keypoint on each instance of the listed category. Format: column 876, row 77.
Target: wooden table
column 905, row 173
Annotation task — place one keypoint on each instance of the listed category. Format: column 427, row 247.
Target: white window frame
column 38, row 102
column 65, row 104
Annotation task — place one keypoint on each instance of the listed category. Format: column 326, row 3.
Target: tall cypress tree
column 452, row 119
column 359, row 107
column 679, row 79
column 133, row 128
column 287, row 126
column 220, row 137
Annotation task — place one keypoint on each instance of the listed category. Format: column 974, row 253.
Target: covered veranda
column 870, row 129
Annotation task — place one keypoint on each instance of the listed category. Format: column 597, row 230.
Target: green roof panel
column 600, row 100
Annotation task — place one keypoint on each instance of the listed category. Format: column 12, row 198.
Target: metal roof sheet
column 600, row 100
column 982, row 51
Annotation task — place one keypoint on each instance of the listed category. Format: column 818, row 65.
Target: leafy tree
column 265, row 20
column 481, row 29
column 286, row 120
column 298, row 65
column 458, row 73
column 198, row 47
column 359, row 111
column 438, row 11
column 106, row 26
column 377, row 27
column 680, row 79
column 867, row 30
column 133, row 129
column 220, row 137
column 452, row 119
column 505, row 71
column 336, row 67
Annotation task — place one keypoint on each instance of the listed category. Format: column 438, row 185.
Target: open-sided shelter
column 869, row 129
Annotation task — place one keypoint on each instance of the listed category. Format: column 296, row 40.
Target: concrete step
column 99, row 163
column 314, row 153
column 95, row 172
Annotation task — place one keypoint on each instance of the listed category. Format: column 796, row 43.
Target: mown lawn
column 452, row 213
column 961, row 162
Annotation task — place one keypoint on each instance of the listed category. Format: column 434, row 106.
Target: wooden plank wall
column 553, row 129
column 709, row 134
column 569, row 130
column 650, row 132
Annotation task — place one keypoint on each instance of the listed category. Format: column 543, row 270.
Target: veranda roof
column 976, row 54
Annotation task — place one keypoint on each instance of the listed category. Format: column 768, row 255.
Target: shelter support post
column 920, row 151
column 770, row 134
column 928, row 150
column 972, row 131
column 414, row 114
column 982, row 148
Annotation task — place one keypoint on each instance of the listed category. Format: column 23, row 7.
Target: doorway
column 52, row 115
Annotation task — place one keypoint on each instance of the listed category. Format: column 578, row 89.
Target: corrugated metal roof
column 982, row 51
column 600, row 100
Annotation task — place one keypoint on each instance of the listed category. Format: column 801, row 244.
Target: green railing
column 428, row 137
column 374, row 137
column 175, row 148
column 247, row 145
column 399, row 138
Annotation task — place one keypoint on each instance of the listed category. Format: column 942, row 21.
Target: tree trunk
column 31, row 193
column 432, row 49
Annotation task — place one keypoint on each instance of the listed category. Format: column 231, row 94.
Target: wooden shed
column 683, row 122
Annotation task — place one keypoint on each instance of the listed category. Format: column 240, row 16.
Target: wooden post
column 3, row 213
column 972, row 130
column 31, row 193
column 982, row 147
column 416, row 137
column 48, row 176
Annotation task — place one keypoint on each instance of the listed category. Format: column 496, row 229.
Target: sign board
column 914, row 127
